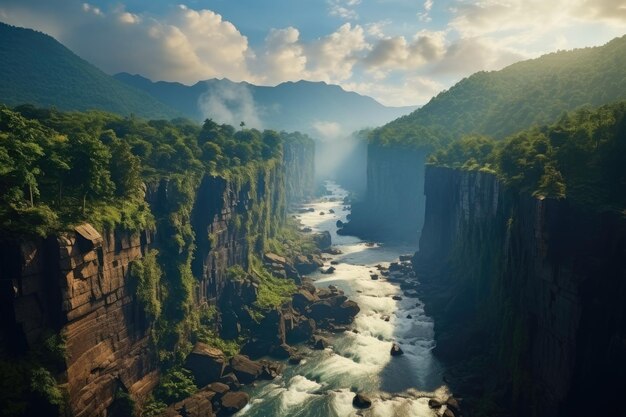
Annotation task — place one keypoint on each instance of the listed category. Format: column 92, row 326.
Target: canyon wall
column 393, row 207
column 528, row 297
column 77, row 284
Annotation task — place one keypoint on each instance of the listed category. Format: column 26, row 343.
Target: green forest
column 580, row 157
column 500, row 103
column 59, row 169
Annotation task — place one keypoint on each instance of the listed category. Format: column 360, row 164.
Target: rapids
column 322, row 384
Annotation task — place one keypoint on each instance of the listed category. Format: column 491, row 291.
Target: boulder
column 397, row 298
column 331, row 211
column 218, row 388
column 295, row 360
column 435, row 404
column 361, row 401
column 320, row 310
column 231, row 380
column 329, row 271
column 448, row 413
column 233, row 402
column 302, row 299
column 283, row 351
column 396, row 350
column 320, row 343
column 322, row 240
column 347, row 310
column 332, row 251
column 256, row 348
column 303, row 330
column 205, row 363
column 453, row 404
column 270, row 370
column 374, row 277
column 339, row 224
column 273, row 258
column 245, row 369
column 198, row 405
column 307, row 264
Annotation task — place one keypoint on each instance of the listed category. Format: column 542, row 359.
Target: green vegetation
column 39, row 70
column 289, row 242
column 273, row 291
column 528, row 93
column 175, row 385
column 145, row 279
column 580, row 156
column 28, row 384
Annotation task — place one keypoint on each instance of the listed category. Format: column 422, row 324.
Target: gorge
column 168, row 268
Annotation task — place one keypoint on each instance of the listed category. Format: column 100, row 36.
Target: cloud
column 343, row 9
column 468, row 55
column 327, row 129
column 399, row 53
column 283, row 57
column 183, row 45
column 332, row 58
column 408, row 91
column 230, row 104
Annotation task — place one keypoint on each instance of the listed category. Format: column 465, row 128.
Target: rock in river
column 396, row 350
column 361, row 401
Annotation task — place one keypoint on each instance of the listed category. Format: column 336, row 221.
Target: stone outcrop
column 75, row 284
column 206, row 363
column 534, row 286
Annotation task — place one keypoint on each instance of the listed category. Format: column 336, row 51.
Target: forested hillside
column 58, row 169
column 36, row 69
column 503, row 102
column 581, row 157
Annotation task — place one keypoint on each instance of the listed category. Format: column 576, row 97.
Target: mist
column 340, row 156
column 230, row 104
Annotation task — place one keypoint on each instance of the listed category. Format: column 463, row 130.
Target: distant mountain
column 312, row 107
column 535, row 91
column 36, row 69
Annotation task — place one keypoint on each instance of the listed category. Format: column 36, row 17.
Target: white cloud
column 343, row 8
column 328, row 129
column 398, row 53
column 283, row 57
column 332, row 58
column 88, row 8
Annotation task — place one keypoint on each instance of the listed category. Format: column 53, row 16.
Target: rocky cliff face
column 299, row 169
column 532, row 289
column 231, row 220
column 393, row 207
column 75, row 284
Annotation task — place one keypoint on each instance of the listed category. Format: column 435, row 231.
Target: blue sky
column 398, row 51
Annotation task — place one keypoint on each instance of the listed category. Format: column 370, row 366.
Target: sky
column 400, row 52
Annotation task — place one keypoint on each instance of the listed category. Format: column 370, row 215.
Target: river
column 324, row 384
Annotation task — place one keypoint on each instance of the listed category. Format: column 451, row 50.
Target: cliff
column 527, row 296
column 78, row 284
column 393, row 207
column 75, row 284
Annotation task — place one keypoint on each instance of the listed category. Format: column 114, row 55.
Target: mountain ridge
column 291, row 105
column 37, row 69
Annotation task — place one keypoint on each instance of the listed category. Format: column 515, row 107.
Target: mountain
column 36, row 69
column 531, row 92
column 312, row 107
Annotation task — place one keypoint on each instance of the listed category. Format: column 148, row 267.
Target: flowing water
column 324, row 383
